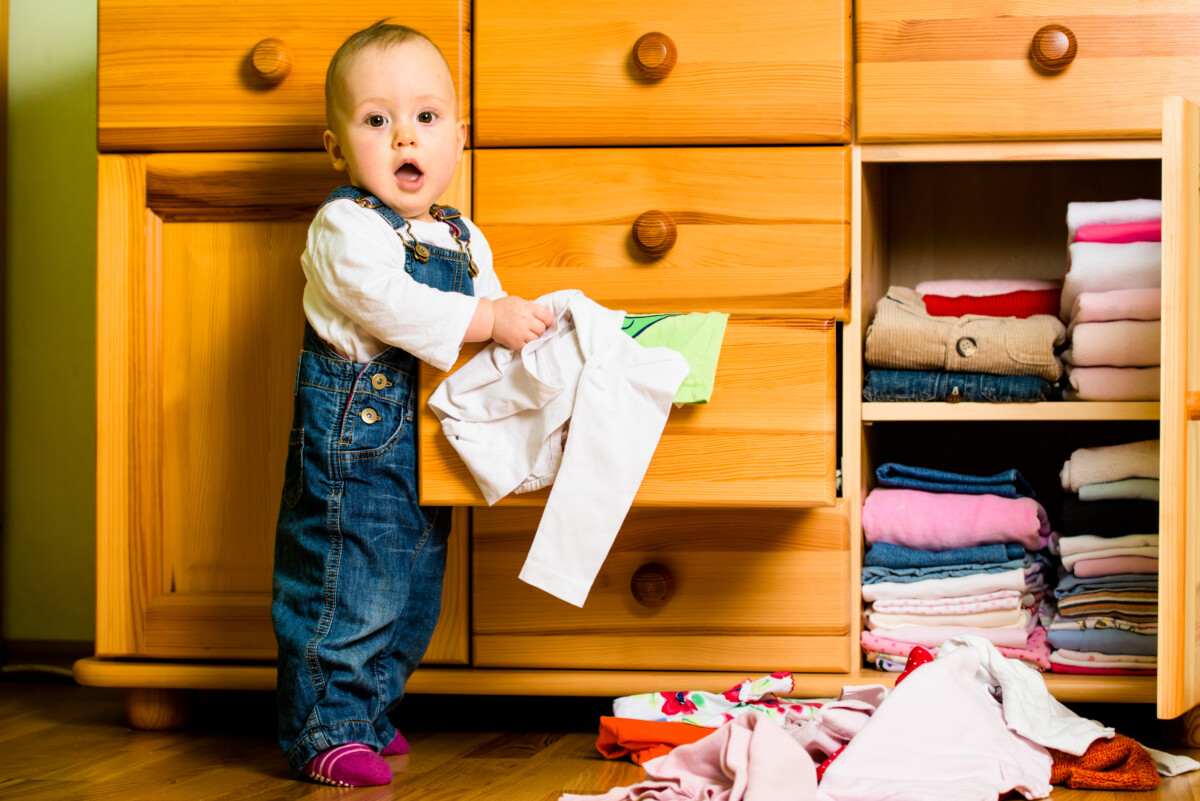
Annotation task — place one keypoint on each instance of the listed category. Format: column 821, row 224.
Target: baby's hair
column 383, row 35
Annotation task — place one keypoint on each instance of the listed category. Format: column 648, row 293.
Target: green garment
column 697, row 336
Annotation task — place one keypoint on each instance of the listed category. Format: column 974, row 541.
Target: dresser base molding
column 96, row 672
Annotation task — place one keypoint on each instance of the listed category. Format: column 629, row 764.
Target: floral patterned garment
column 701, row 708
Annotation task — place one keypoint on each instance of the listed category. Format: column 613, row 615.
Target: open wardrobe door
column 1179, row 540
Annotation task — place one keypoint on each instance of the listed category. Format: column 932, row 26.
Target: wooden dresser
column 679, row 157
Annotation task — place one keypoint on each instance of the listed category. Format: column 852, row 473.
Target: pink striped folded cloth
column 942, row 521
column 1116, row 343
column 1113, row 383
column 1141, row 231
column 1117, row 304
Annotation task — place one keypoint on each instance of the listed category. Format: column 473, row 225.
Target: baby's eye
column 376, row 120
column 426, row 117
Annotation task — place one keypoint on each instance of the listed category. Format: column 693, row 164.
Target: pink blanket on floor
column 941, row 521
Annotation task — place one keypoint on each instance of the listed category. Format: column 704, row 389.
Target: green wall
column 49, row 359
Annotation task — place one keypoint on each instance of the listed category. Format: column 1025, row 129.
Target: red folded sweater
column 1022, row 303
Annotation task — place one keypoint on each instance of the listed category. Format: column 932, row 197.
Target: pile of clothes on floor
column 1107, row 592
column 1112, row 300
column 951, row 553
column 993, row 340
column 968, row 725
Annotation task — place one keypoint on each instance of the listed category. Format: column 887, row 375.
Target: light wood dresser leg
column 1184, row 730
column 156, row 709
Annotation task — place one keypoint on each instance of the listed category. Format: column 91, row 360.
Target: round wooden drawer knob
column 653, row 585
column 654, row 231
column 654, row 54
column 271, row 60
column 1053, row 47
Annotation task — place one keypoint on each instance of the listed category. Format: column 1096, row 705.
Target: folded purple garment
column 940, row 521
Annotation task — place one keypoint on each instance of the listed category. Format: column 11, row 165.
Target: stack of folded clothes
column 968, row 340
column 948, row 554
column 1107, row 593
column 1112, row 300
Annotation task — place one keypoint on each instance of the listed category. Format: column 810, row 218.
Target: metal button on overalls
column 966, row 347
column 369, row 416
column 379, row 381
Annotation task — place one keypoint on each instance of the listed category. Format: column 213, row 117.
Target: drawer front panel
column 767, row 437
column 204, row 74
column 952, row 70
column 748, row 230
column 679, row 590
column 669, row 72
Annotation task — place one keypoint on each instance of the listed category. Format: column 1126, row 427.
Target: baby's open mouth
column 408, row 173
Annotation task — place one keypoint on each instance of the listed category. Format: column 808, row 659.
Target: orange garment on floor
column 1116, row 764
column 644, row 739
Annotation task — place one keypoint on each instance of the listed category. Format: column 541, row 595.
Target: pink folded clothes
column 1036, row 648
column 1117, row 343
column 1113, row 383
column 1069, row 657
column 1109, row 463
column 959, row 287
column 1148, row 551
column 1000, row 599
column 940, row 521
column 993, row 619
column 1112, row 565
column 1116, row 304
column 1143, row 231
column 1101, row 267
column 932, row 636
column 1110, row 212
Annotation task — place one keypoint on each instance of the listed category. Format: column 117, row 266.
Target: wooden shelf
column 950, row 412
column 1014, row 151
column 97, row 672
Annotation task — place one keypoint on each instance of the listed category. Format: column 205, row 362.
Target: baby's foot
column 349, row 765
column 396, row 747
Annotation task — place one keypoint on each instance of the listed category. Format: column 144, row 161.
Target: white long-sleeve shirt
column 360, row 299
column 504, row 413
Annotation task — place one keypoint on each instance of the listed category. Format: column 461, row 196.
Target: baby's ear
column 334, row 150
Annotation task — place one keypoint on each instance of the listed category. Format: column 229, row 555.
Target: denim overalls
column 358, row 563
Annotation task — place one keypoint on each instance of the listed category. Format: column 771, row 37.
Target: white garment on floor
column 505, row 411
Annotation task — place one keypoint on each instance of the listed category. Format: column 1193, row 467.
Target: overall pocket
column 293, row 471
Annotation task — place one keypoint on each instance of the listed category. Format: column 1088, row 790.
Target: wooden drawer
column 566, row 73
column 756, row 230
column 181, row 75
column 948, row 69
column 762, row 590
column 767, row 437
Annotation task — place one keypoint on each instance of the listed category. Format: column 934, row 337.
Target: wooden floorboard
column 61, row 741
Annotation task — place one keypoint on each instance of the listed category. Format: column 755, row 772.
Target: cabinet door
column 1179, row 504
column 199, row 324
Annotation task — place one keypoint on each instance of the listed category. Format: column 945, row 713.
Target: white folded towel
column 1110, row 463
column 1103, row 267
column 1109, row 212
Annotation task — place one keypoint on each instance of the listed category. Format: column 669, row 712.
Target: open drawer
column 768, row 437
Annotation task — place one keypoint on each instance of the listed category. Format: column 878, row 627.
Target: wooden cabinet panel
column 756, row 230
column 748, row 590
column 767, row 438
column 182, row 76
column 199, row 323
column 949, row 69
column 568, row 73
column 1179, row 513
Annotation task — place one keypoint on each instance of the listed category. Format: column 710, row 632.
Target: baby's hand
column 518, row 321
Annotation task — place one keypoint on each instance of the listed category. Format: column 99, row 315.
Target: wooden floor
column 61, row 741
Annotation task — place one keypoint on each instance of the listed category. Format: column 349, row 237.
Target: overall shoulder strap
column 368, row 201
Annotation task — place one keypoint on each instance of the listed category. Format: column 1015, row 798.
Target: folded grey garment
column 1145, row 489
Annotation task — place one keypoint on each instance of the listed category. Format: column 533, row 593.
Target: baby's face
column 396, row 128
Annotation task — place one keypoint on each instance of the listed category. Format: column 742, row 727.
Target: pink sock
column 396, row 747
column 349, row 765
